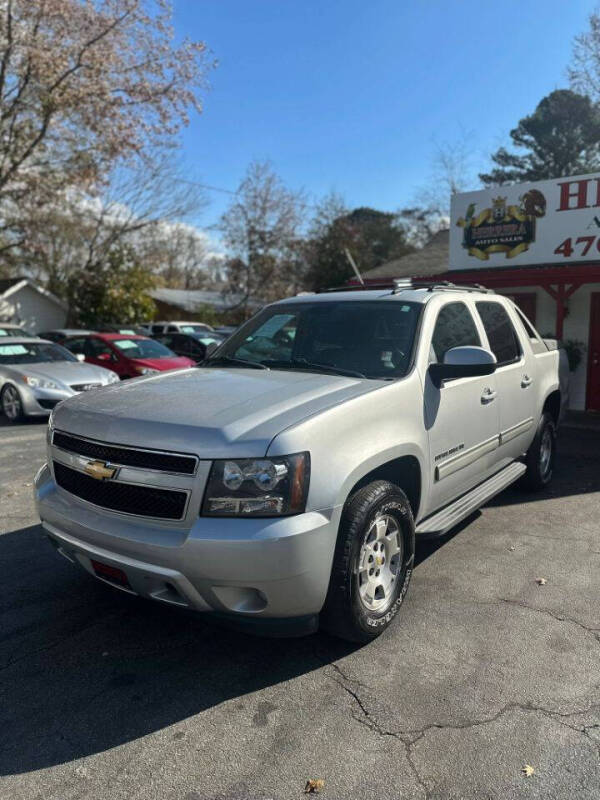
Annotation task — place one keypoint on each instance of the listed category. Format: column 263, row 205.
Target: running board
column 442, row 521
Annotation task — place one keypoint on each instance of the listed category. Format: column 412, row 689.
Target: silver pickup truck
column 281, row 484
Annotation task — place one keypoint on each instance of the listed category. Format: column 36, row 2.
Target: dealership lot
column 485, row 671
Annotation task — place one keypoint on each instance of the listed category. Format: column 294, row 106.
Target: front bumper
column 39, row 402
column 259, row 569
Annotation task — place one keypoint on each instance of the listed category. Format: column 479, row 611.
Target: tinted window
column 142, row 348
column 373, row 338
column 75, row 345
column 96, row 347
column 454, row 327
column 501, row 334
column 157, row 328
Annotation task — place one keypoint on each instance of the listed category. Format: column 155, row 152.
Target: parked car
column 178, row 327
column 60, row 334
column 35, row 375
column 282, row 484
column 193, row 345
column 8, row 329
column 128, row 356
column 137, row 330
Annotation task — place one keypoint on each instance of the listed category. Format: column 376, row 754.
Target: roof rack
column 406, row 284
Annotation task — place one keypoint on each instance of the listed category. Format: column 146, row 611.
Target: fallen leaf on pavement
column 527, row 770
column 313, row 785
column 540, row 581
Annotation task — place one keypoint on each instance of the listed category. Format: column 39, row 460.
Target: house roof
column 6, row 283
column 9, row 286
column 191, row 299
column 433, row 259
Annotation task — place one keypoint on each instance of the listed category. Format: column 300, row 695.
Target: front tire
column 541, row 456
column 11, row 403
column 372, row 564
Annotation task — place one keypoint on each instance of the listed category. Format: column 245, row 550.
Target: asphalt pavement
column 485, row 671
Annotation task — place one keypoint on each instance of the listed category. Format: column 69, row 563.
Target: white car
column 178, row 327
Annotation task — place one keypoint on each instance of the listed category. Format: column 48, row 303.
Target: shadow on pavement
column 87, row 668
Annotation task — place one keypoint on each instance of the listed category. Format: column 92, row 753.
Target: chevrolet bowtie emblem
column 100, row 470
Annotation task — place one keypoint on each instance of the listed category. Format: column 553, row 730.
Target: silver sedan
column 36, row 374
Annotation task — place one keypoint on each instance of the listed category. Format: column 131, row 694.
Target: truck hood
column 214, row 413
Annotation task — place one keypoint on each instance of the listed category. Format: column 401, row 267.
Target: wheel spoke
column 392, row 547
column 381, row 526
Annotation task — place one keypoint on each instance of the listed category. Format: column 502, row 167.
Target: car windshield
column 208, row 338
column 33, row 353
column 12, row 332
column 143, row 348
column 372, row 339
column 194, row 328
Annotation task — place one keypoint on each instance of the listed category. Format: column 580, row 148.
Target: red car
column 128, row 356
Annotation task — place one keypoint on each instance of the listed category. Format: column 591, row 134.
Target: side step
column 442, row 521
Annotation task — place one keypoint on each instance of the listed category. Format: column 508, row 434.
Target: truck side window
column 454, row 327
column 503, row 339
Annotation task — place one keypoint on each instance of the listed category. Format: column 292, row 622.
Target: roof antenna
column 353, row 265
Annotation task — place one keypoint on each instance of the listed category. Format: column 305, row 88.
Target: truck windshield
column 370, row 339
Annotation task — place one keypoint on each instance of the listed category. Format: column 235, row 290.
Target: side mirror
column 463, row 362
column 210, row 349
column 79, row 356
column 104, row 356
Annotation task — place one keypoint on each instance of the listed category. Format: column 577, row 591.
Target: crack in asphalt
column 409, row 738
column 558, row 617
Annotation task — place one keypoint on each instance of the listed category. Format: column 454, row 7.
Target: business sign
column 547, row 222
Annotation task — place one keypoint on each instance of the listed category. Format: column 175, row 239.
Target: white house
column 25, row 303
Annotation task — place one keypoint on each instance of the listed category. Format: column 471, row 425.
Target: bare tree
column 261, row 230
column 584, row 69
column 79, row 229
column 84, row 84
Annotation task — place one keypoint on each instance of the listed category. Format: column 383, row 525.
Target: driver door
column 461, row 417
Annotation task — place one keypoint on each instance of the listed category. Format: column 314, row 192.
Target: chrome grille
column 126, row 456
column 128, row 498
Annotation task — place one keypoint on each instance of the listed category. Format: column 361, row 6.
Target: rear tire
column 372, row 564
column 541, row 456
column 11, row 403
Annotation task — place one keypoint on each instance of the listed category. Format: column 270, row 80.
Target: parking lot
column 485, row 671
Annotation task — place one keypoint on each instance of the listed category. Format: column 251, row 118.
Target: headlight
column 145, row 371
column 258, row 487
column 50, row 428
column 113, row 378
column 39, row 383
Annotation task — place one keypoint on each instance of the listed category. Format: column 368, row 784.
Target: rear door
column 461, row 417
column 516, row 377
column 102, row 354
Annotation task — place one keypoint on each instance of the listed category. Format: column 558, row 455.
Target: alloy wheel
column 379, row 563
column 11, row 403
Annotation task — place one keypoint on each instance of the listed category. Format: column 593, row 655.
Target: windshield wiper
column 303, row 363
column 230, row 361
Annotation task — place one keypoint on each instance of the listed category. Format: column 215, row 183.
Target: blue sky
column 352, row 95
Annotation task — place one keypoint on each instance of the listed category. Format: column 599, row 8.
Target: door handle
column 526, row 381
column 488, row 395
